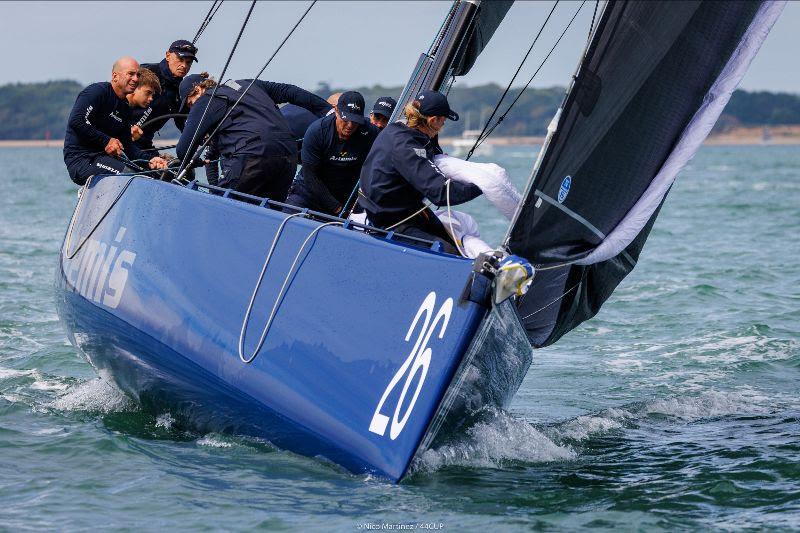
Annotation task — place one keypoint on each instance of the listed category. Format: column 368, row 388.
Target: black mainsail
column 652, row 83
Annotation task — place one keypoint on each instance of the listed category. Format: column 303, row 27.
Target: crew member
column 382, row 111
column 259, row 152
column 170, row 71
column 399, row 172
column 299, row 119
column 334, row 149
column 149, row 88
column 99, row 126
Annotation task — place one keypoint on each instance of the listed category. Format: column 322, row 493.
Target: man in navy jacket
column 399, row 173
column 333, row 151
column 99, row 127
column 257, row 146
column 170, row 71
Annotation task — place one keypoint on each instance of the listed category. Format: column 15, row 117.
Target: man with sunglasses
column 170, row 71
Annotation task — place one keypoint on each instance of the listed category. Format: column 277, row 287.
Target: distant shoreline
column 758, row 135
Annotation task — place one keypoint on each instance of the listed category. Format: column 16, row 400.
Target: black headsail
column 652, row 83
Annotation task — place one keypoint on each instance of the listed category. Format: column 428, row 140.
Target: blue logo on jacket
column 564, row 190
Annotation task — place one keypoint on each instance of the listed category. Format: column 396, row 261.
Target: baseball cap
column 183, row 48
column 351, row 107
column 434, row 104
column 186, row 86
column 384, row 106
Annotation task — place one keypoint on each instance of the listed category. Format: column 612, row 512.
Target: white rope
column 554, row 301
column 282, row 292
column 450, row 221
column 258, row 285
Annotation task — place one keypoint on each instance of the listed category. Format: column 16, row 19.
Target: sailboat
column 339, row 341
column 460, row 146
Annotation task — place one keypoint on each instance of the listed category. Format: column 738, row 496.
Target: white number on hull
column 417, row 362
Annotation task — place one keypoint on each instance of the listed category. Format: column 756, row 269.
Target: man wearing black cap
column 334, row 149
column 259, row 152
column 399, row 173
column 170, row 71
column 382, row 111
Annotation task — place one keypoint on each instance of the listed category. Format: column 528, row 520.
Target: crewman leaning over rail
column 259, row 152
column 98, row 137
column 334, row 149
column 399, row 173
column 170, row 71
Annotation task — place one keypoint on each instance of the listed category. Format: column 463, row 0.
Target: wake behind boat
column 338, row 340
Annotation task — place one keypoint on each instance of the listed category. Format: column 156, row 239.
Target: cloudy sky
column 345, row 44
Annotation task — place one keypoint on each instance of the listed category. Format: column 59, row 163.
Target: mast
column 433, row 67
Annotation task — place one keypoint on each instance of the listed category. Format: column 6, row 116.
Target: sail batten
column 653, row 81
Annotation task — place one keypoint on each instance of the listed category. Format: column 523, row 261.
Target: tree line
column 40, row 110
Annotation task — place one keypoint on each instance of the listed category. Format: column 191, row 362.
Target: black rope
column 206, row 21
column 202, row 147
column 165, row 118
column 216, row 87
column 508, row 87
column 522, row 91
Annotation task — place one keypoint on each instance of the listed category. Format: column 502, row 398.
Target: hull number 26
column 417, row 362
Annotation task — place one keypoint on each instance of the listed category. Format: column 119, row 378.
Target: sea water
column 675, row 408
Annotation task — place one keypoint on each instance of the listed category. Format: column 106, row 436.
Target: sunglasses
column 186, row 48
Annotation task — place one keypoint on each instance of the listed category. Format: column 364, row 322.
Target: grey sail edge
column 653, row 81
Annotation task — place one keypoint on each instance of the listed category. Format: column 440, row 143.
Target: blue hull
column 153, row 285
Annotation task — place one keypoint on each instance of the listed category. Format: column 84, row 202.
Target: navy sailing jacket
column 97, row 116
column 255, row 127
column 399, row 172
column 298, row 118
column 331, row 166
column 167, row 103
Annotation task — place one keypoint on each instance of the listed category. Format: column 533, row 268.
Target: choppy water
column 677, row 407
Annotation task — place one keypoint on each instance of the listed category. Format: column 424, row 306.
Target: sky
column 342, row 43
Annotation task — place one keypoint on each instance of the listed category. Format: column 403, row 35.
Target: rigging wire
column 187, row 158
column 594, row 16
column 522, row 91
column 236, row 103
column 206, row 21
column 508, row 87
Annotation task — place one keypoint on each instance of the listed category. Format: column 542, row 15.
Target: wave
column 500, row 438
column 493, row 443
column 95, row 395
column 214, row 441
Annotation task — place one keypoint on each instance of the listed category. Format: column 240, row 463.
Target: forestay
column 653, row 82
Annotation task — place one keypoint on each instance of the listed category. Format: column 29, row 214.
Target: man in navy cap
column 382, row 111
column 170, row 71
column 399, row 173
column 334, row 149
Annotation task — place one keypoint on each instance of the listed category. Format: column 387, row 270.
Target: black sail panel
column 490, row 15
column 650, row 68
